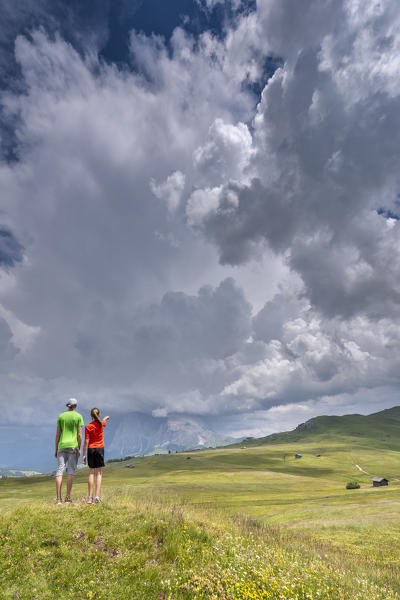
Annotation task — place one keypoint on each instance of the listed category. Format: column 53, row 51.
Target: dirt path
column 362, row 470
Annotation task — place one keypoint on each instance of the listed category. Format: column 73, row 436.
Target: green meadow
column 246, row 521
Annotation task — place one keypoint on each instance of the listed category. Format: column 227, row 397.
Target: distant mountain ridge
column 17, row 473
column 141, row 434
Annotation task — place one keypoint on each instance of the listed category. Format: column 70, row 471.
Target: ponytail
column 95, row 414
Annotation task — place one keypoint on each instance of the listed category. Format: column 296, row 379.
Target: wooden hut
column 379, row 481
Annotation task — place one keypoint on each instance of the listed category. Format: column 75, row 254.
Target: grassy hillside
column 381, row 428
column 301, row 504
column 126, row 549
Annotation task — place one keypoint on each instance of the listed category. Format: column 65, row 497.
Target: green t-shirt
column 69, row 421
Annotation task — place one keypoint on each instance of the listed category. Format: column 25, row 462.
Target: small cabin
column 379, row 481
column 297, row 455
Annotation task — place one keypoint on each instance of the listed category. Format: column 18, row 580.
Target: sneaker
column 97, row 500
column 59, row 501
column 90, row 500
column 67, row 499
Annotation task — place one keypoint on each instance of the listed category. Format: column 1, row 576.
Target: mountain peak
column 140, row 434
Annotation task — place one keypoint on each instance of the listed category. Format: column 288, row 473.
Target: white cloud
column 170, row 190
column 200, row 204
column 316, row 357
column 23, row 336
column 226, row 154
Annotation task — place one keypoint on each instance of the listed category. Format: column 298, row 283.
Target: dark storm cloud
column 268, row 323
column 166, row 347
column 214, row 324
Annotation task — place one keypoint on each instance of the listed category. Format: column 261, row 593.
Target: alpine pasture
column 248, row 521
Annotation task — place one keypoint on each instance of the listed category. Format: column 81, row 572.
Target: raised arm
column 58, row 433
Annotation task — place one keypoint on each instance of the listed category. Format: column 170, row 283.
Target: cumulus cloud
column 141, row 199
column 316, row 357
column 226, row 153
column 92, row 301
column 325, row 148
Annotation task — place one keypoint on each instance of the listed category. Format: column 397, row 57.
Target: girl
column 94, row 444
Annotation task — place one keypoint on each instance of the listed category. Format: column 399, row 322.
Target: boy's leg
column 70, row 480
column 98, row 481
column 90, row 482
column 58, row 486
column 59, row 472
column 72, row 463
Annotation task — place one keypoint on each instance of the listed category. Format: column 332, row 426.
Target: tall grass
column 130, row 548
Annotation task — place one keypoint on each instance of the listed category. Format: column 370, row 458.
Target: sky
column 199, row 210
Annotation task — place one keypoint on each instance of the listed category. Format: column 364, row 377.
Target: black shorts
column 95, row 457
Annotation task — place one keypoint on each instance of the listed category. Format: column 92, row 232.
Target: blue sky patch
column 388, row 214
column 11, row 251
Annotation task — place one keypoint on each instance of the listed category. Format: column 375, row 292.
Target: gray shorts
column 67, row 457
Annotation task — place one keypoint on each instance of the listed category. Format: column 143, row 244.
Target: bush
column 352, row 485
column 113, row 460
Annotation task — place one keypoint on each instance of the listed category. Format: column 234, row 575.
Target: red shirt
column 94, row 432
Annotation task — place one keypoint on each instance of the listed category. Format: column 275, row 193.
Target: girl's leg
column 98, row 481
column 90, row 482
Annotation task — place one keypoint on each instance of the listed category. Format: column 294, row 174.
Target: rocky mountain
column 140, row 434
column 4, row 473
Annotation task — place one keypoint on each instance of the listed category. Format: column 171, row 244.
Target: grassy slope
column 126, row 549
column 306, row 499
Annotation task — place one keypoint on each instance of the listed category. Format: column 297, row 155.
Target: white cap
column 72, row 402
